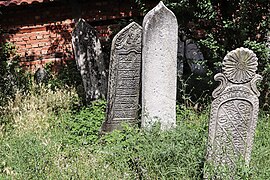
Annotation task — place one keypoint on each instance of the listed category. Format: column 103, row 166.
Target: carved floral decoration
column 240, row 65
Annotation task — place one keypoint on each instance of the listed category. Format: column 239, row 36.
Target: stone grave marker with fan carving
column 234, row 111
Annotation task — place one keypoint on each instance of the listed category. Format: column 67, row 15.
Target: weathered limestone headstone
column 234, row 110
column 159, row 67
column 89, row 59
column 124, row 78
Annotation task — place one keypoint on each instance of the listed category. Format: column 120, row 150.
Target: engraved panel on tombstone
column 234, row 111
column 124, row 78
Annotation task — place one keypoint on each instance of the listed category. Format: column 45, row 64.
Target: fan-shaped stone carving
column 240, row 65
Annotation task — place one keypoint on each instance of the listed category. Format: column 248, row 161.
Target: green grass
column 260, row 159
column 44, row 135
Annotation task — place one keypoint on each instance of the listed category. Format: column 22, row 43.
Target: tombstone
column 159, row 68
column 180, row 58
column 89, row 60
column 190, row 67
column 234, row 110
column 41, row 75
column 124, row 78
column 189, row 51
column 194, row 57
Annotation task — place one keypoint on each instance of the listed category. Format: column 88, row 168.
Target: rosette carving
column 240, row 65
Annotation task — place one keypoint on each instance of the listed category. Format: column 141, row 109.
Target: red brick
column 17, row 39
column 34, row 45
column 43, row 32
column 20, row 49
column 34, row 41
column 41, row 44
column 33, row 37
column 53, row 35
column 25, row 38
column 21, row 43
column 28, row 46
column 37, row 52
column 47, row 36
column 39, row 37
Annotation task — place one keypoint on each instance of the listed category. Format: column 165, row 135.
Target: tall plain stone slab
column 124, row 78
column 90, row 61
column 159, row 67
column 234, row 110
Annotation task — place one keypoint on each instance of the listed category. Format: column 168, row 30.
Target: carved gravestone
column 124, row 78
column 159, row 67
column 89, row 60
column 41, row 75
column 234, row 110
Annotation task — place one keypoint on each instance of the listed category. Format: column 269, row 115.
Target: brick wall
column 42, row 31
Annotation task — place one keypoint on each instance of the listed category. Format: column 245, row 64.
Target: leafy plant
column 263, row 54
column 83, row 127
column 138, row 154
column 12, row 76
column 66, row 75
column 24, row 157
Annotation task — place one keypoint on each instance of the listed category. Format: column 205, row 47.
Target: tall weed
column 30, row 111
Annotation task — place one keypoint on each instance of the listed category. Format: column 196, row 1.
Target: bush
column 67, row 74
column 12, row 76
column 25, row 157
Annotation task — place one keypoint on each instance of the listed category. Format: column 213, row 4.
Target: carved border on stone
column 124, row 84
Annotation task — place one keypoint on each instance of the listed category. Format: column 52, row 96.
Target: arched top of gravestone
column 240, row 65
column 129, row 38
column 156, row 14
column 82, row 28
column 82, row 24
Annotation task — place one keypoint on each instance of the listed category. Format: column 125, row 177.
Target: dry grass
column 31, row 112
